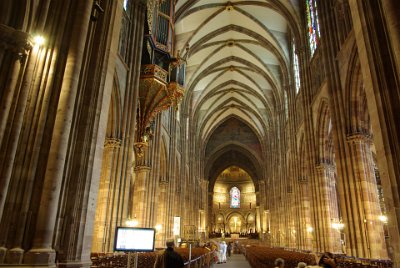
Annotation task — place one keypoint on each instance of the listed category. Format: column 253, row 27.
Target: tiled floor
column 235, row 261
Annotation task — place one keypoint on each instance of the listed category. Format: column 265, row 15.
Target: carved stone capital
column 323, row 167
column 142, row 168
column 112, row 143
column 16, row 41
column 163, row 182
column 359, row 138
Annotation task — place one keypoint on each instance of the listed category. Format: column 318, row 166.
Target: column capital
column 324, row 167
column 142, row 168
column 112, row 143
column 16, row 41
column 358, row 137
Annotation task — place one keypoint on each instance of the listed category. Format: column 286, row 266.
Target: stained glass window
column 313, row 24
column 296, row 70
column 235, row 197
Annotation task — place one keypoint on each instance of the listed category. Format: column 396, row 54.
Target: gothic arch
column 114, row 114
column 358, row 116
column 324, row 138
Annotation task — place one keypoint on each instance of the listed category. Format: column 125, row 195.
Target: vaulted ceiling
column 238, row 66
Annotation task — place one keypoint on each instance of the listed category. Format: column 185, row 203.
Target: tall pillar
column 367, row 223
column 375, row 30
column 42, row 251
column 108, row 198
column 261, row 202
column 327, row 238
column 305, row 235
column 162, row 218
column 139, row 206
column 15, row 87
column 204, row 205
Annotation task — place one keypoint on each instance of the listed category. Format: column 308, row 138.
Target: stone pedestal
column 42, row 256
column 14, row 256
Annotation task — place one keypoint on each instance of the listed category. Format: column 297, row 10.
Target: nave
column 268, row 120
column 235, row 261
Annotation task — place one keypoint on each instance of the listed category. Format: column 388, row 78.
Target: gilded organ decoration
column 151, row 5
column 155, row 95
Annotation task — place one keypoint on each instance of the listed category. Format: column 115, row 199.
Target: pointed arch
column 324, row 134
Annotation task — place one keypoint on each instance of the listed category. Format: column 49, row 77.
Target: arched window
column 296, row 71
column 313, row 25
column 235, row 197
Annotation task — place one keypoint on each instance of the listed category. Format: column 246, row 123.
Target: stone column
column 204, row 194
column 15, row 87
column 305, row 215
column 42, row 251
column 261, row 189
column 162, row 219
column 327, row 238
column 375, row 24
column 368, row 225
column 107, row 200
column 139, row 206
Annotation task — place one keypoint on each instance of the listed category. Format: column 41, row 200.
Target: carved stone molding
column 359, row 138
column 142, row 168
column 16, row 41
column 112, row 143
column 324, row 167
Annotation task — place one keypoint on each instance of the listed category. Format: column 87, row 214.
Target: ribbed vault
column 237, row 71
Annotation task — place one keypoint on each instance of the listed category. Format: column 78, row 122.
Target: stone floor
column 235, row 261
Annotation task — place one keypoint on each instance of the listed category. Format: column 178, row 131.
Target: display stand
column 135, row 264
column 190, row 254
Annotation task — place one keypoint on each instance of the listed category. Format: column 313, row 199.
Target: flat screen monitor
column 134, row 239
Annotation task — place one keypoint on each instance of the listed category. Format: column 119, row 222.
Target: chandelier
column 155, row 95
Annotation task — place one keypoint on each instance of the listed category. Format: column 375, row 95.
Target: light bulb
column 38, row 40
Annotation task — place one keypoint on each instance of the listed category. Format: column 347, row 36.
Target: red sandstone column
column 371, row 227
column 329, row 240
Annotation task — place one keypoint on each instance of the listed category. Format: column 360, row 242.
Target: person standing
column 229, row 249
column 171, row 258
column 223, row 251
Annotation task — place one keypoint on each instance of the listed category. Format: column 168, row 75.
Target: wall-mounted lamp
column 383, row 218
column 38, row 41
column 158, row 227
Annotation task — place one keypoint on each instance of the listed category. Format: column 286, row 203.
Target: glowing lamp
column 38, row 40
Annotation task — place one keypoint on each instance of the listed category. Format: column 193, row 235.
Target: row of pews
column 264, row 257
